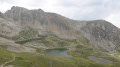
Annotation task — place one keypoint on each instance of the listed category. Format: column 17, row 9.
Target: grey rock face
column 7, row 28
column 44, row 22
column 61, row 26
column 25, row 17
column 101, row 34
column 1, row 15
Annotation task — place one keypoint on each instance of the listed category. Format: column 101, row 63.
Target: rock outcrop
column 101, row 33
column 43, row 21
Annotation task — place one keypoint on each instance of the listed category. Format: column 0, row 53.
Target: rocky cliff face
column 7, row 28
column 25, row 17
column 1, row 15
column 44, row 22
column 100, row 33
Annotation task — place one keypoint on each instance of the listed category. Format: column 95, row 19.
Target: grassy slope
column 79, row 48
column 38, row 59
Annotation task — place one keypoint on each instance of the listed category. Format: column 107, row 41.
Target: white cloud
column 114, row 18
column 4, row 6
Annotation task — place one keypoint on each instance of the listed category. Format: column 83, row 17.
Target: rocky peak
column 41, row 20
column 18, row 8
column 25, row 17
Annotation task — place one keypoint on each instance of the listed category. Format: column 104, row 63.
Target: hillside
column 27, row 34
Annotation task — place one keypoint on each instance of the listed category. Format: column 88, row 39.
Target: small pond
column 57, row 52
column 99, row 59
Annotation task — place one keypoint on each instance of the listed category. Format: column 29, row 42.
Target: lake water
column 99, row 59
column 57, row 52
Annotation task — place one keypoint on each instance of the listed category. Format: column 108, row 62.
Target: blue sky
column 75, row 9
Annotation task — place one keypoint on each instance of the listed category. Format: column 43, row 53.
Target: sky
column 74, row 9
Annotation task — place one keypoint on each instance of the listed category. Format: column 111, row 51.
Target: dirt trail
column 8, row 61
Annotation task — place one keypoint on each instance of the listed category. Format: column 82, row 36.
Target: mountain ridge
column 100, row 33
